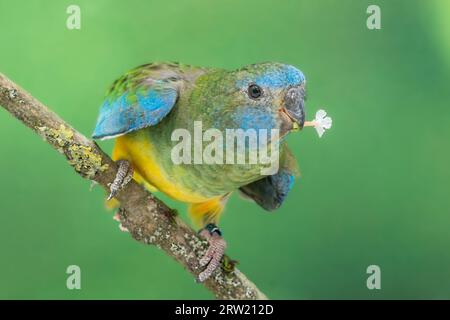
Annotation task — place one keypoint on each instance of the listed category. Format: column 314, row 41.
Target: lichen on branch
column 82, row 158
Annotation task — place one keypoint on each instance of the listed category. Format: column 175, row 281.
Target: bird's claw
column 123, row 177
column 215, row 252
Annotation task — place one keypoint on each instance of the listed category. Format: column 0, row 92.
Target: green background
column 374, row 189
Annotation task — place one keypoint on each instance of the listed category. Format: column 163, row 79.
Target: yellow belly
column 140, row 152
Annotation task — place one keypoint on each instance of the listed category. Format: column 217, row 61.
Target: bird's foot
column 214, row 254
column 123, row 177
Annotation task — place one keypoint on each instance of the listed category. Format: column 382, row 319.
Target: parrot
column 144, row 106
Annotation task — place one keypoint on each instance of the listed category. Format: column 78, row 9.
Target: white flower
column 322, row 122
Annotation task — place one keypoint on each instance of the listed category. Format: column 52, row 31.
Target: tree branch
column 148, row 219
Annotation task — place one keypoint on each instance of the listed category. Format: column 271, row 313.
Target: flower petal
column 320, row 114
column 327, row 122
column 322, row 122
column 320, row 130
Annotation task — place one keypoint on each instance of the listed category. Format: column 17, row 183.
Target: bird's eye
column 254, row 91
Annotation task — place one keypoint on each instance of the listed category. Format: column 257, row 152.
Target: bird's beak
column 293, row 109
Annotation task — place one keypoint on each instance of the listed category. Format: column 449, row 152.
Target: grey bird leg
column 123, row 176
column 214, row 254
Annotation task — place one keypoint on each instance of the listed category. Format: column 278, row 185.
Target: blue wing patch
column 134, row 110
column 270, row 192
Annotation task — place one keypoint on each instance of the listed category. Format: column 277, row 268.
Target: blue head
column 258, row 96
